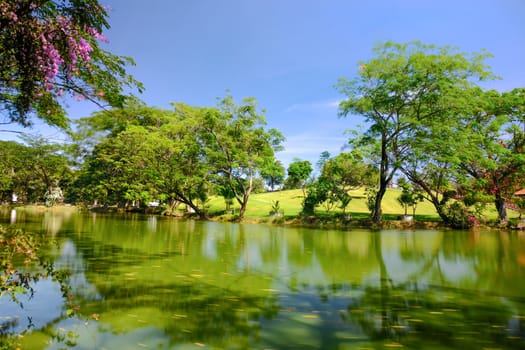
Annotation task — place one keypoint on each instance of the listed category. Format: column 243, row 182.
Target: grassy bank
column 260, row 205
column 357, row 214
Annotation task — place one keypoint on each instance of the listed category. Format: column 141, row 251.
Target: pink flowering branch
column 51, row 48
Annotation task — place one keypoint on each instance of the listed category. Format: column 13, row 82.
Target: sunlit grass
column 290, row 202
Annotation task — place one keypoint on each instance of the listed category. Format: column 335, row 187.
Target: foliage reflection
column 241, row 286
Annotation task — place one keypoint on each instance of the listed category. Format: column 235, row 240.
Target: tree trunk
column 242, row 210
column 432, row 196
column 202, row 215
column 244, row 202
column 376, row 217
column 174, row 204
column 441, row 212
column 384, row 177
column 500, row 207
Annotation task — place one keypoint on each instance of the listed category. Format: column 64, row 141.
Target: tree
column 32, row 171
column 323, row 158
column 402, row 90
column 181, row 171
column 298, row 172
column 142, row 153
column 495, row 159
column 273, row 174
column 10, row 164
column 148, row 153
column 48, row 163
column 113, row 173
column 339, row 175
column 51, row 49
column 237, row 145
column 409, row 197
column 349, row 171
column 318, row 192
column 475, row 157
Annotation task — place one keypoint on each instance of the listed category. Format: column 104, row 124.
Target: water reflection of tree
column 416, row 314
column 23, row 263
column 216, row 305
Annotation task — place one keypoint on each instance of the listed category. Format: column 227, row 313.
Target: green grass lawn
column 260, row 205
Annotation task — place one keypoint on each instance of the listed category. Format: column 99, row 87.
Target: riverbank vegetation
column 430, row 126
column 454, row 148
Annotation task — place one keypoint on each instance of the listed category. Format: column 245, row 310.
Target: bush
column 460, row 216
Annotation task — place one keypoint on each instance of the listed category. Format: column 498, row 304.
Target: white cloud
column 309, row 147
column 325, row 105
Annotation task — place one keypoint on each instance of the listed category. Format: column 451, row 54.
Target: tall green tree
column 273, row 174
column 144, row 154
column 10, row 165
column 402, row 89
column 298, row 173
column 238, row 146
column 477, row 156
column 179, row 165
column 30, row 171
column 113, row 173
column 339, row 175
column 51, row 49
column 495, row 159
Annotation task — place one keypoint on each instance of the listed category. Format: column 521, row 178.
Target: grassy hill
column 260, row 205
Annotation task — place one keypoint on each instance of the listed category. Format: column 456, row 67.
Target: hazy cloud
column 327, row 105
column 309, row 147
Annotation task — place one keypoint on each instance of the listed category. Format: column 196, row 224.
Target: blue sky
column 288, row 54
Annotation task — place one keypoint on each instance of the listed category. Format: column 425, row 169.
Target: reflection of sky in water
column 452, row 271
column 152, row 223
column 71, row 260
column 44, row 307
column 210, row 246
column 315, row 276
column 456, row 270
column 46, row 304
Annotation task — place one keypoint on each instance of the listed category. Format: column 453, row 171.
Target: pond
column 152, row 282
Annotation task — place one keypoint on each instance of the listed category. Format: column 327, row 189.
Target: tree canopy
column 298, row 173
column 340, row 174
column 140, row 154
column 50, row 51
column 409, row 94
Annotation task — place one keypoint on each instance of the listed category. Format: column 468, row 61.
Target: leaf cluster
column 51, row 50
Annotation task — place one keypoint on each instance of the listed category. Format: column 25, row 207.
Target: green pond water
column 148, row 282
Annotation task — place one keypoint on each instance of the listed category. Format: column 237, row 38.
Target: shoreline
column 315, row 222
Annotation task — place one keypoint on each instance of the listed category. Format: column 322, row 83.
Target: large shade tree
column 141, row 153
column 495, row 156
column 238, row 146
column 30, row 171
column 112, row 144
column 403, row 89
